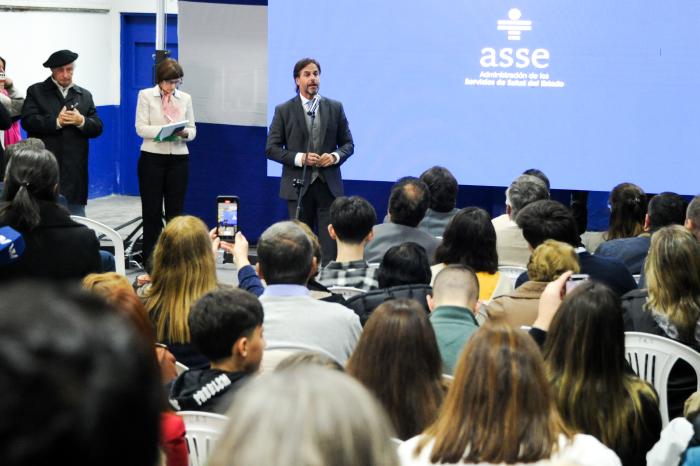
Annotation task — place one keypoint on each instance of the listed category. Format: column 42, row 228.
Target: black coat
column 5, row 123
column 58, row 248
column 70, row 144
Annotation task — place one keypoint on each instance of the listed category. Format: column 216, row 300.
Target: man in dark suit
column 63, row 115
column 330, row 144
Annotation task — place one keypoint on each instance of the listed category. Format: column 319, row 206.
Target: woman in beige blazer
column 163, row 166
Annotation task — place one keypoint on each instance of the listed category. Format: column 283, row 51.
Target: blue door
column 138, row 34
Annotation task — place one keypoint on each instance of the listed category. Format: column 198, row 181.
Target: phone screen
column 575, row 280
column 227, row 217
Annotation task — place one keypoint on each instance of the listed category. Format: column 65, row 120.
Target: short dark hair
column 168, row 69
column 75, row 376
column 301, row 64
column 666, row 209
column 221, row 317
column 352, row 218
column 408, row 202
column 284, row 254
column 469, row 239
column 525, row 190
column 543, row 220
column 443, row 188
column 405, row 264
column 539, row 174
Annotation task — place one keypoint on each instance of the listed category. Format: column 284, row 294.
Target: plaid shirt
column 358, row 274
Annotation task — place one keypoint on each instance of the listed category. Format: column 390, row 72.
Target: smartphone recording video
column 575, row 280
column 227, row 217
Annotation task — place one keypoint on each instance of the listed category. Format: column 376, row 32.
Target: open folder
column 167, row 132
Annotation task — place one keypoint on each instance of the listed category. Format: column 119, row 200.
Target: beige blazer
column 150, row 119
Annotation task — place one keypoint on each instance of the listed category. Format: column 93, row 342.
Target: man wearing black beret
column 63, row 115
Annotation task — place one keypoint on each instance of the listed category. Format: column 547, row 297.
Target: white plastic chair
column 652, row 358
column 345, row 291
column 202, row 430
column 112, row 235
column 276, row 351
column 512, row 272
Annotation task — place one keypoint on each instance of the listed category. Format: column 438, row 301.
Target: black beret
column 60, row 58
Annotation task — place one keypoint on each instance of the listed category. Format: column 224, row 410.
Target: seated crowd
column 440, row 336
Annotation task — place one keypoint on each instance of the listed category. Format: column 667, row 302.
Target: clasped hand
column 70, row 117
column 314, row 160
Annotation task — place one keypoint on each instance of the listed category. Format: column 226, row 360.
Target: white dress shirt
column 150, row 119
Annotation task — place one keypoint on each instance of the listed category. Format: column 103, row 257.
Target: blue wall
column 104, row 154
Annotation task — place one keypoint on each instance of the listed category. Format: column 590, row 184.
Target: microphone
column 11, row 245
column 314, row 106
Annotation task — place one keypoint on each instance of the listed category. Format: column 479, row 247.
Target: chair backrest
column 512, row 272
column 637, row 277
column 202, row 430
column 345, row 291
column 180, row 368
column 653, row 356
column 276, row 351
column 112, row 235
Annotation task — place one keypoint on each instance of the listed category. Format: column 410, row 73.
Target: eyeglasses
column 174, row 82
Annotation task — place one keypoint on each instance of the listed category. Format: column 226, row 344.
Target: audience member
column 351, row 222
column 11, row 99
column 63, row 115
column 664, row 209
column 670, row 306
column 183, row 271
column 79, row 387
column 628, row 207
column 226, row 326
column 692, row 217
column 408, row 202
column 403, row 274
column 548, row 261
column 543, row 220
column 499, row 409
column 124, row 300
column 308, row 416
column 56, row 247
column 285, row 261
column 511, row 246
column 317, row 290
column 398, row 360
column 453, row 307
column 593, row 392
column 443, row 189
column 470, row 240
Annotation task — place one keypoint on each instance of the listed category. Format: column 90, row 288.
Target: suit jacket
column 58, row 248
column 510, row 243
column 70, row 144
column 518, row 307
column 387, row 235
column 630, row 251
column 289, row 135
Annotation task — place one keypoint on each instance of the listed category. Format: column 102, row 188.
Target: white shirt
column 583, row 450
column 150, row 120
column 300, row 155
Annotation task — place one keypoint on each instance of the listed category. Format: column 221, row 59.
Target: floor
column 122, row 213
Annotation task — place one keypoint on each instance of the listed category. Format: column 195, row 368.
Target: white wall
column 28, row 38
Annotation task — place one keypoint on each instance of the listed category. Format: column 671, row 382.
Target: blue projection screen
column 593, row 93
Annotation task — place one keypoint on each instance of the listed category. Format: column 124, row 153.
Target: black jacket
column 204, row 390
column 58, row 248
column 70, row 144
column 364, row 304
column 5, row 123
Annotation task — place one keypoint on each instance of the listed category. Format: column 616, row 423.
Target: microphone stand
column 299, row 183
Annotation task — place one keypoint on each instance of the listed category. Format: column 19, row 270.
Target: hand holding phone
column 576, row 280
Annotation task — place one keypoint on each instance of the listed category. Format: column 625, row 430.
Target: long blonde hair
column 673, row 278
column 183, row 271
